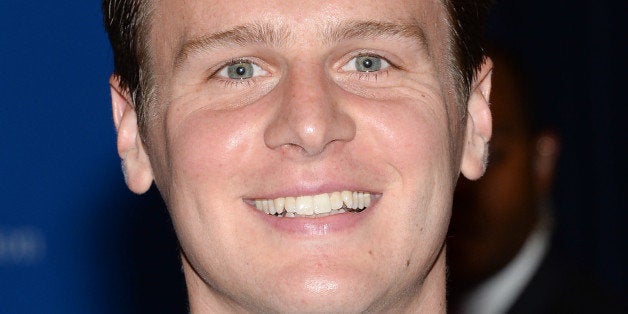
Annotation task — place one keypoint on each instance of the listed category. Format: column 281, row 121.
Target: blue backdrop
column 58, row 170
column 74, row 240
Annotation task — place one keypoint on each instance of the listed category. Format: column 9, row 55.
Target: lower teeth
column 343, row 209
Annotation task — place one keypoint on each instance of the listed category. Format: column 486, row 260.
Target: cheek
column 411, row 138
column 208, row 149
column 212, row 156
column 414, row 139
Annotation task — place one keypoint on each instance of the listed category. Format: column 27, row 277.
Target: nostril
column 295, row 149
column 292, row 147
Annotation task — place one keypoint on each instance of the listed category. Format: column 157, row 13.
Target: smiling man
column 307, row 150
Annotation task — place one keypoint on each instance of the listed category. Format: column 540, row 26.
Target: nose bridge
column 309, row 117
column 309, row 104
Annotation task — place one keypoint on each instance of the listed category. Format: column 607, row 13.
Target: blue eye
column 366, row 64
column 241, row 70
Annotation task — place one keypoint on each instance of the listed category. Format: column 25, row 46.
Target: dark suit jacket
column 561, row 287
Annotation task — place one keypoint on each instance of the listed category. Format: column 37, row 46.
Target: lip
column 313, row 185
column 315, row 227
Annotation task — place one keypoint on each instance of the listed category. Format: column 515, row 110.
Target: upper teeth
column 315, row 205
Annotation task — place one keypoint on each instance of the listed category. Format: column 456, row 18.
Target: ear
column 479, row 124
column 136, row 167
column 546, row 152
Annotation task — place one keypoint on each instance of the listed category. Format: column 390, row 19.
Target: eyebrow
column 239, row 35
column 373, row 29
column 278, row 36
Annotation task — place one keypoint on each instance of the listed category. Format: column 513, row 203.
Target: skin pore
column 259, row 100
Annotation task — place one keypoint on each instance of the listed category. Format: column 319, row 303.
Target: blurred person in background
column 500, row 252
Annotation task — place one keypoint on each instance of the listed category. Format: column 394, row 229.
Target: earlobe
column 479, row 124
column 136, row 166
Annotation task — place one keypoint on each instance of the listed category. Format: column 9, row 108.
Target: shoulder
column 562, row 286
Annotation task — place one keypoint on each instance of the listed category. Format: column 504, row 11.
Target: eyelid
column 349, row 59
column 351, row 65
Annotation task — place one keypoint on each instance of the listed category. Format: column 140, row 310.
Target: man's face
column 284, row 101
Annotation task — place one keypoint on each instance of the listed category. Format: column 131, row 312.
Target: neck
column 431, row 294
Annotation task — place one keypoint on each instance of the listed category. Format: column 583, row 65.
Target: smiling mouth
column 313, row 206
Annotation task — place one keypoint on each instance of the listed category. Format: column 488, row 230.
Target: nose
column 310, row 117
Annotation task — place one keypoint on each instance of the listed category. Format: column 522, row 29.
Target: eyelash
column 364, row 76
column 374, row 75
column 368, row 76
column 227, row 82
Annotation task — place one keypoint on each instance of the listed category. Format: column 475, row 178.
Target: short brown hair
column 127, row 23
column 467, row 19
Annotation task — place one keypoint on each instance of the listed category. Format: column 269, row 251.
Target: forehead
column 177, row 22
column 237, row 11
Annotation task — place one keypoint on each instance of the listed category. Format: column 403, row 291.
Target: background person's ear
column 136, row 167
column 546, row 152
column 479, row 124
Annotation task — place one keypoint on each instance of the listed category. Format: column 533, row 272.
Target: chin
column 320, row 285
column 327, row 295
